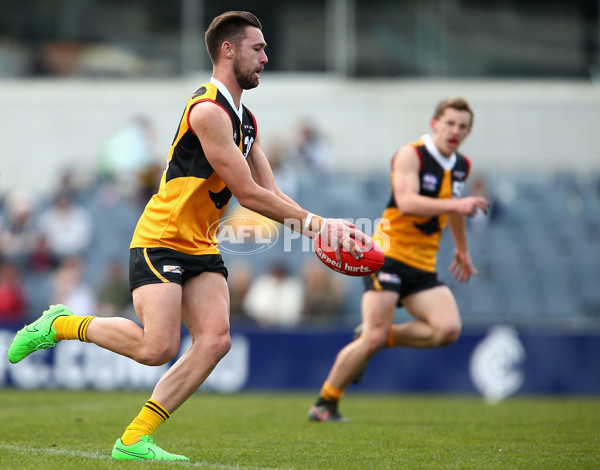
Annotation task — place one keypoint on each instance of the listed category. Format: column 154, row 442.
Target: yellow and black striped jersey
column 414, row 240
column 185, row 212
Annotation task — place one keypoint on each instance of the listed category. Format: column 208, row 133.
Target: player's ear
column 227, row 49
column 432, row 123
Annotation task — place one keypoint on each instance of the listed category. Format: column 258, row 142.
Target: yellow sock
column 391, row 341
column 144, row 424
column 72, row 327
column 331, row 393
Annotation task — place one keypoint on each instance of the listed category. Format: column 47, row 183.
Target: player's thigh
column 378, row 308
column 158, row 306
column 206, row 304
column 434, row 306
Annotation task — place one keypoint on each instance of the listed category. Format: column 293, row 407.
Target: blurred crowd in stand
column 537, row 251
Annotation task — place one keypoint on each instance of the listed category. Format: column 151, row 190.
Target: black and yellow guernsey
column 185, row 212
column 412, row 239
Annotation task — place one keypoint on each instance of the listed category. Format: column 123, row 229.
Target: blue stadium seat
column 484, row 299
column 587, row 285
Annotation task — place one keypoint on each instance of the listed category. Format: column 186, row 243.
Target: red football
column 370, row 263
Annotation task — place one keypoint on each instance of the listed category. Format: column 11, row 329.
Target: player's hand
column 462, row 268
column 339, row 233
column 471, row 204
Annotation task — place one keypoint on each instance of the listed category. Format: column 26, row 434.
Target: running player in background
column 176, row 271
column 427, row 182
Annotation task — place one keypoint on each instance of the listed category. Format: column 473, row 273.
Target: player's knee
column 222, row 346
column 448, row 333
column 215, row 346
column 375, row 340
column 159, row 355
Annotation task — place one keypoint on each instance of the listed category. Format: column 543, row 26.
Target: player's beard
column 246, row 80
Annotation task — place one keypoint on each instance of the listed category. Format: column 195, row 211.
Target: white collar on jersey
column 225, row 92
column 447, row 163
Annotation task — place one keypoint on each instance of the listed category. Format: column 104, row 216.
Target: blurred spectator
column 72, row 184
column 41, row 260
column 114, row 297
column 148, row 182
column 480, row 221
column 311, row 151
column 324, row 292
column 59, row 57
column 275, row 298
column 69, row 287
column 18, row 232
column 239, row 280
column 12, row 297
column 128, row 155
column 66, row 227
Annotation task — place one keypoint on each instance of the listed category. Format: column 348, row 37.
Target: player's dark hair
column 455, row 102
column 229, row 26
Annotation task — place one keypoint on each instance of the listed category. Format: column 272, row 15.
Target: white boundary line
column 102, row 456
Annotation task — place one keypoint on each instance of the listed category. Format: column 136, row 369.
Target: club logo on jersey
column 199, row 92
column 234, row 135
column 221, row 198
column 429, row 182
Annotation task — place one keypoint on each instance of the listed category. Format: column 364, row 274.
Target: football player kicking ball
column 176, row 271
column 427, row 180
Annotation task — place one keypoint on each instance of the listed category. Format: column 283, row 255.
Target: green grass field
column 64, row 430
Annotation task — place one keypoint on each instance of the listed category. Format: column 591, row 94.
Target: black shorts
column 156, row 265
column 402, row 278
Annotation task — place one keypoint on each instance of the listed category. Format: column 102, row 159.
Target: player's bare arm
column 461, row 267
column 406, row 190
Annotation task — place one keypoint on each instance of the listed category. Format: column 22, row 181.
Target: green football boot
column 145, row 449
column 326, row 413
column 38, row 335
